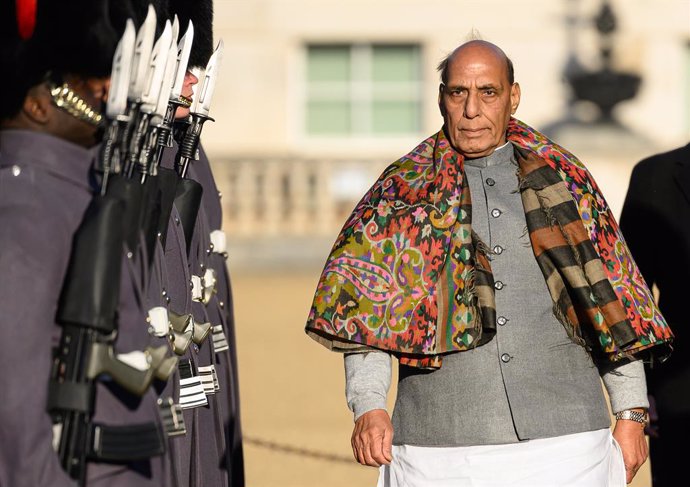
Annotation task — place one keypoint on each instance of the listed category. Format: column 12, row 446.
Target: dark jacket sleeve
column 31, row 269
column 638, row 219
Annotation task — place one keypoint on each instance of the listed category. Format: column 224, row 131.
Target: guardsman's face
column 190, row 80
column 477, row 100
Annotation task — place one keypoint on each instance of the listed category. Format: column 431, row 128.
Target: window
column 363, row 90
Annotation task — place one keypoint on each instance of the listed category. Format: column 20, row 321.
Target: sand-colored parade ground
column 296, row 423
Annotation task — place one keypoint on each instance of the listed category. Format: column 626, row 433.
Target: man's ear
column 37, row 105
column 514, row 98
column 440, row 100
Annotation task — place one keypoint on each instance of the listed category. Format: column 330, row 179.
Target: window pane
column 328, row 63
column 328, row 117
column 391, row 117
column 396, row 91
column 395, row 63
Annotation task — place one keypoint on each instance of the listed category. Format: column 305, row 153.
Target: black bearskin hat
column 200, row 12
column 38, row 37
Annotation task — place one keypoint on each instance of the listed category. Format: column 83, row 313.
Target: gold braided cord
column 68, row 100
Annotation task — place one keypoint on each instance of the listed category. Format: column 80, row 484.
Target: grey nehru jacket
column 531, row 381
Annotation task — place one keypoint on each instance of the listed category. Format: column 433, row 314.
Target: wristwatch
column 638, row 416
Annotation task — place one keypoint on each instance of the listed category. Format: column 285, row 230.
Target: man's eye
column 456, row 92
column 490, row 92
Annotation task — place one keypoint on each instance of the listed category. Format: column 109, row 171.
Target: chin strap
column 64, row 98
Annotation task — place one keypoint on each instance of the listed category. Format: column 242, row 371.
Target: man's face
column 477, row 100
column 187, row 94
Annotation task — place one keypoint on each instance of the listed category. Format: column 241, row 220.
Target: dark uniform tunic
column 220, row 311
column 44, row 191
column 211, row 451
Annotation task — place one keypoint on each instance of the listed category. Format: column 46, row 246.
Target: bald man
column 521, row 401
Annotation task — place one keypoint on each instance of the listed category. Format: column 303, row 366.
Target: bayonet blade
column 184, row 49
column 121, row 72
column 170, row 65
column 142, row 54
column 156, row 69
column 202, row 99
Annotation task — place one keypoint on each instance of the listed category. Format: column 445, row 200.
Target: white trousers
column 590, row 459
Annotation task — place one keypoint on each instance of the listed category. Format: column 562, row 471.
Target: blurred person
column 491, row 241
column 53, row 98
column 656, row 223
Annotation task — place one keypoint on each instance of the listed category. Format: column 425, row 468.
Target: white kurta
column 590, row 459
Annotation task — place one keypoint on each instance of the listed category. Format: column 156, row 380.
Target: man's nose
column 190, row 78
column 471, row 105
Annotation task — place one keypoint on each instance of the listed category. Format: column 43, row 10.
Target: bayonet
column 147, row 102
column 181, row 56
column 171, row 62
column 199, row 111
column 164, row 111
column 116, row 108
column 137, row 84
column 184, row 49
column 121, row 73
column 142, row 54
column 144, row 138
column 156, row 70
column 202, row 102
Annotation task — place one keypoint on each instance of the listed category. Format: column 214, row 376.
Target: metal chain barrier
column 303, row 452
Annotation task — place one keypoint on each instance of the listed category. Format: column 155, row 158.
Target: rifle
column 87, row 310
column 188, row 197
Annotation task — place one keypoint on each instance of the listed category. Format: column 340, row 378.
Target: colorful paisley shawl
column 408, row 275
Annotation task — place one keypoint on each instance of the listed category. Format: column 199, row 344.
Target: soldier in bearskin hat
column 60, row 54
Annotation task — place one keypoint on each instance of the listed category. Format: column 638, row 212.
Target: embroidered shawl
column 408, row 275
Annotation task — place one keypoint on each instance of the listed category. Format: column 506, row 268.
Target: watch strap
column 632, row 415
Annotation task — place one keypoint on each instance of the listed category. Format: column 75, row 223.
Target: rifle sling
column 91, row 288
column 187, row 202
column 149, row 215
column 126, row 443
column 131, row 193
column 69, row 396
column 167, row 180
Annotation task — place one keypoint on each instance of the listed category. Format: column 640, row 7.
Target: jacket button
column 502, row 320
column 498, row 285
column 496, row 213
column 505, row 358
column 490, row 181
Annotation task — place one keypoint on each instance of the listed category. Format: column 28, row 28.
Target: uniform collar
column 60, row 158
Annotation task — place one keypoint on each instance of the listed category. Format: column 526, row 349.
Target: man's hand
column 372, row 438
column 630, row 436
